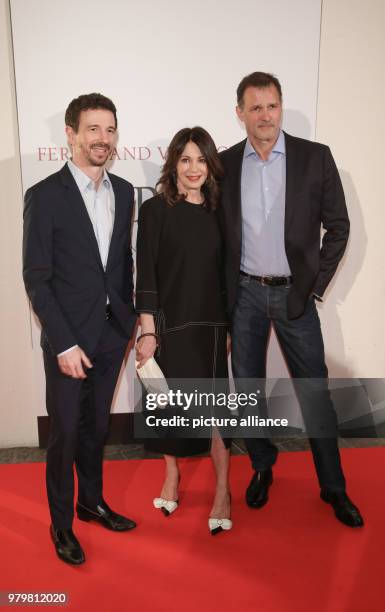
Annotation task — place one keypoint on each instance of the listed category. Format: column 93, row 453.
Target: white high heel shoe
column 218, row 525
column 165, row 505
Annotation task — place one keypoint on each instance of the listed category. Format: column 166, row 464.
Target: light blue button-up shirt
column 92, row 197
column 263, row 186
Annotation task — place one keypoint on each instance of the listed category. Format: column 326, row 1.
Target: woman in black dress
column 180, row 298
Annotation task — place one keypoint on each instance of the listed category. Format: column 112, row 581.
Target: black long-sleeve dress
column 180, row 282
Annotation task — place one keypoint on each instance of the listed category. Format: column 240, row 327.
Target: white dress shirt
column 100, row 205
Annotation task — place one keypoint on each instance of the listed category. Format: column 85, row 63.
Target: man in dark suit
column 77, row 268
column 277, row 192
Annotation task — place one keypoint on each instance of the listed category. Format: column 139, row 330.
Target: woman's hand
column 146, row 346
column 145, row 349
column 228, row 343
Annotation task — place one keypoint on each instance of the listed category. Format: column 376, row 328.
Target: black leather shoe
column 105, row 516
column 257, row 493
column 67, row 546
column 343, row 507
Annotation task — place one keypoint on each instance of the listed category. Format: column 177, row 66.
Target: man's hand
column 145, row 349
column 71, row 363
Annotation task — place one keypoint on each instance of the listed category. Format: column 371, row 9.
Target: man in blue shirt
column 278, row 191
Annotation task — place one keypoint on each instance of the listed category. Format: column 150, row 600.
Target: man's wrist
column 67, row 350
column 153, row 335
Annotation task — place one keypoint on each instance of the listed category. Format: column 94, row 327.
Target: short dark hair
column 87, row 102
column 167, row 184
column 260, row 80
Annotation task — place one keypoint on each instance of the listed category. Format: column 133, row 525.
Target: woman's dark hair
column 167, row 184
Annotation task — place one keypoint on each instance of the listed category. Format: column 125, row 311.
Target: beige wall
column 350, row 120
column 17, row 420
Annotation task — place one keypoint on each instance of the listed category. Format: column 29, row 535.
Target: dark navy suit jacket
column 62, row 269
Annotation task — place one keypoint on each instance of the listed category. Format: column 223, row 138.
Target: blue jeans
column 257, row 308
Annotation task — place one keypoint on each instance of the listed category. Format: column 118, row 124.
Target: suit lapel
column 118, row 216
column 291, row 177
column 76, row 202
column 234, row 195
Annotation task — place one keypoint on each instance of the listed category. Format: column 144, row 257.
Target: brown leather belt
column 271, row 281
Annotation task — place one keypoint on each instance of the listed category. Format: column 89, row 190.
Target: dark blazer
column 62, row 269
column 314, row 198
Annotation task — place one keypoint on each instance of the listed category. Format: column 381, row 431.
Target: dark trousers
column 79, row 418
column 258, row 307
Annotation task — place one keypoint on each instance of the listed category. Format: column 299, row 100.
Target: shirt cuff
column 67, row 350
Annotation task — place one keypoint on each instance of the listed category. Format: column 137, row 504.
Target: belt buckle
column 264, row 279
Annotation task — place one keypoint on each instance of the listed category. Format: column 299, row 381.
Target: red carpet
column 290, row 556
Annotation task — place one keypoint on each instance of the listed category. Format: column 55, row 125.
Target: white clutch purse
column 152, row 377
